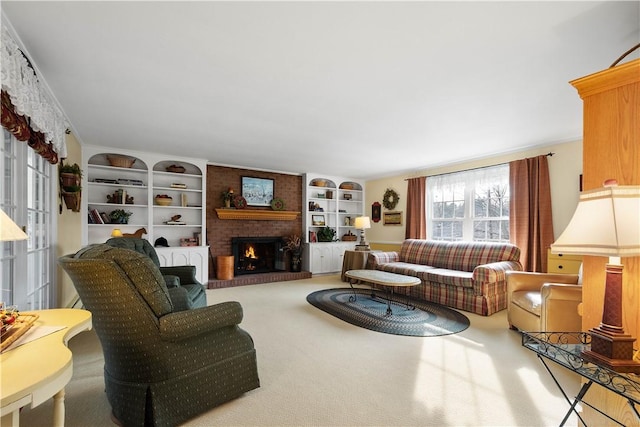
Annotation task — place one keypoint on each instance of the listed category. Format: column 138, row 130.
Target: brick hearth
column 254, row 279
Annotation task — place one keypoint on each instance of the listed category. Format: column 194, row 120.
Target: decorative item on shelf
column 188, row 241
column 329, row 194
column 239, row 202
column 277, row 204
column 347, row 186
column 326, row 234
column 606, row 224
column 362, row 223
column 70, row 188
column 9, row 230
column 161, row 241
column 163, row 200
column 349, row 237
column 120, row 161
column 390, row 199
column 293, row 245
column 137, row 234
column 119, row 216
column 176, row 168
column 347, row 196
column 313, row 237
column 375, row 212
column 116, row 232
column 178, row 185
column 317, row 220
column 120, row 197
column 347, row 221
column 175, row 220
column 319, row 182
column 227, row 197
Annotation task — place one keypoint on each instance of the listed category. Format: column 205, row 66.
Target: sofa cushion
column 529, row 301
column 466, row 256
column 445, row 276
column 425, row 252
column 404, row 268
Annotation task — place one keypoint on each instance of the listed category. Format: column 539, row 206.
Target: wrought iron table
column 565, row 348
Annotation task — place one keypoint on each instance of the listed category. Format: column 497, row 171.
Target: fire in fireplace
column 257, row 254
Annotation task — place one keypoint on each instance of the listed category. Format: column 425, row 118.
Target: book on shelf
column 178, row 185
column 97, row 219
column 176, row 223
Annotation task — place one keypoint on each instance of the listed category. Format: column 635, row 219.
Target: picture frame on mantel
column 257, row 191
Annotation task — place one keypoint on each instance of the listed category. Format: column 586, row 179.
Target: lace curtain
column 24, row 100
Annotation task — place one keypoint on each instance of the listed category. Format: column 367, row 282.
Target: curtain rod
column 549, row 154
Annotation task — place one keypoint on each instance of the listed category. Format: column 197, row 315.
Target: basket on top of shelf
column 176, row 169
column 120, row 161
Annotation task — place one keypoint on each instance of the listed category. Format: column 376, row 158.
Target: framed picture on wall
column 257, row 191
column 392, row 218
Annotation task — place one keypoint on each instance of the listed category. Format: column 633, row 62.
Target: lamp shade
column 9, row 230
column 362, row 222
column 116, row 232
column 605, row 223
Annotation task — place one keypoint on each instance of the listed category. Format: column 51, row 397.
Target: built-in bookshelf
column 164, row 197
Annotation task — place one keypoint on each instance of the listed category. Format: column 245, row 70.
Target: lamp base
column 364, row 247
column 612, row 350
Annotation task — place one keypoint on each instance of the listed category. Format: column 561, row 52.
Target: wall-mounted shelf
column 260, row 215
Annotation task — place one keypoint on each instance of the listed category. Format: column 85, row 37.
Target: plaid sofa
column 468, row 276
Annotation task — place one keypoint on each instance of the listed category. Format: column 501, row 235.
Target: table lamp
column 607, row 223
column 362, row 222
column 116, row 232
column 9, row 230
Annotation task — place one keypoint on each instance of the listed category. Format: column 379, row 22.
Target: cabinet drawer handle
column 560, row 267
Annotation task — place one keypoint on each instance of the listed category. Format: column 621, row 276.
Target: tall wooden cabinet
column 128, row 180
column 611, row 149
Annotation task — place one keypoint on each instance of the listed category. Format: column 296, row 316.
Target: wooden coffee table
column 389, row 280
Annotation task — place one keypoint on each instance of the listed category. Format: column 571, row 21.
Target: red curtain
column 530, row 219
column 416, row 208
column 19, row 126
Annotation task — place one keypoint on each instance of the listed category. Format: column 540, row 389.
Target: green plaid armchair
column 180, row 275
column 162, row 366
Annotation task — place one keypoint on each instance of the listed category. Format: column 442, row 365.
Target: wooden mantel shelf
column 254, row 214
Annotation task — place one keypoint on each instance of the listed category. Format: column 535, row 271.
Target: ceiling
column 359, row 89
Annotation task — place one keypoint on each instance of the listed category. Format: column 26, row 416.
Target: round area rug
column 425, row 320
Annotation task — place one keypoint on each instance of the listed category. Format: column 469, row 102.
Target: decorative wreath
column 390, row 199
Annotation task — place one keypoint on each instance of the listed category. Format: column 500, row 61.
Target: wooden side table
column 353, row 260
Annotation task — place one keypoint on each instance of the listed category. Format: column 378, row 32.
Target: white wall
column 565, row 168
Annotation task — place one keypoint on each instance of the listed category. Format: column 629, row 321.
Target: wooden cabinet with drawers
column 561, row 263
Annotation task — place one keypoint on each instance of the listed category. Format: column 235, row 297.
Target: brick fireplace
column 253, row 255
column 221, row 232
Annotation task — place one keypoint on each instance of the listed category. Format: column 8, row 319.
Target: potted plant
column 227, row 196
column 293, row 245
column 70, row 178
column 119, row 216
column 326, row 234
column 70, row 175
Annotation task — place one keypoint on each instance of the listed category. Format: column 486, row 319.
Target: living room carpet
column 426, row 319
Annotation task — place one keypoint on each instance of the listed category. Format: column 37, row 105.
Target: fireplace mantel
column 254, row 214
